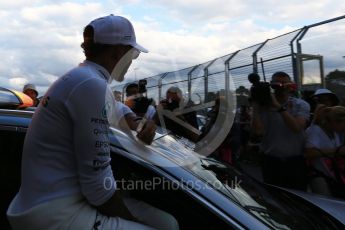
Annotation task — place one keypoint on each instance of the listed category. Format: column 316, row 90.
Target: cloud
column 17, row 81
column 41, row 39
column 289, row 12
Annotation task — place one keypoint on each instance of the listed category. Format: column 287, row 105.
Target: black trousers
column 287, row 172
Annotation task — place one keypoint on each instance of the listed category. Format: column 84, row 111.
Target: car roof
column 20, row 118
column 13, row 99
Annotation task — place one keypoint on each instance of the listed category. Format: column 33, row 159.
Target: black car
column 203, row 194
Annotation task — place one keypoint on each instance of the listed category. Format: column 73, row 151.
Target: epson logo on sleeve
column 102, row 144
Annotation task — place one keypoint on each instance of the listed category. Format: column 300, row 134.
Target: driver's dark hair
column 91, row 49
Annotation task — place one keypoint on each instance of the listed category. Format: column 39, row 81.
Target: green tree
column 335, row 81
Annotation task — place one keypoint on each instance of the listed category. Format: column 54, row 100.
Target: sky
column 40, row 40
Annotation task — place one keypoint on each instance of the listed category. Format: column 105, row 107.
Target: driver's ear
column 115, row 53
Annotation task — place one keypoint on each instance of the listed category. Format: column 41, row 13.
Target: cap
column 322, row 91
column 30, row 86
column 115, row 30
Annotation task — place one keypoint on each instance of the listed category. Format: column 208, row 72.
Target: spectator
column 321, row 98
column 325, row 97
column 30, row 90
column 323, row 143
column 174, row 97
column 227, row 151
column 66, row 155
column 174, row 101
column 244, row 126
column 281, row 125
column 118, row 96
column 140, row 104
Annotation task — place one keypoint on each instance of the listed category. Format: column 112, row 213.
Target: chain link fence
column 202, row 82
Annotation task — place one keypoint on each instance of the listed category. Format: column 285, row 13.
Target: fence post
column 190, row 81
column 322, row 73
column 227, row 72
column 294, row 56
column 255, row 58
column 299, row 66
column 160, row 86
column 206, row 78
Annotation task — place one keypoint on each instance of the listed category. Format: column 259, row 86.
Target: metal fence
column 202, row 82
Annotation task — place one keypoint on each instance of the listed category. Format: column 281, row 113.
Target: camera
column 260, row 92
column 137, row 100
column 170, row 104
column 142, row 86
column 141, row 105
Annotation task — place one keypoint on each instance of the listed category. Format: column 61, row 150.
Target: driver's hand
column 148, row 132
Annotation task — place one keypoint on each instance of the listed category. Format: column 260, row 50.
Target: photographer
column 140, row 104
column 280, row 121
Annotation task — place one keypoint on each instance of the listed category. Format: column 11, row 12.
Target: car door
column 11, row 146
column 139, row 180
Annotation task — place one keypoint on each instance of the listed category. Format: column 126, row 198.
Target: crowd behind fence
column 229, row 72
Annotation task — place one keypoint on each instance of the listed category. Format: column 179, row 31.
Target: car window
column 144, row 184
column 275, row 208
column 7, row 98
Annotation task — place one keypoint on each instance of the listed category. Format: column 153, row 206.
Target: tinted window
column 275, row 207
column 7, row 97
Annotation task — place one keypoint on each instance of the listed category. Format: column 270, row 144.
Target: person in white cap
column 30, row 90
column 325, row 97
column 67, row 181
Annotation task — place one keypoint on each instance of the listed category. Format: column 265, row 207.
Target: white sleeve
column 313, row 137
column 119, row 111
column 303, row 110
column 88, row 109
column 123, row 109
